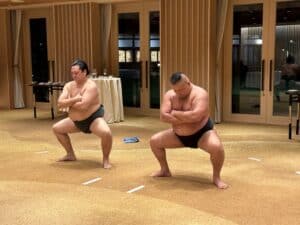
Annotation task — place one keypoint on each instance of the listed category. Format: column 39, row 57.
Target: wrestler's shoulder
column 69, row 84
column 91, row 84
column 170, row 92
column 199, row 89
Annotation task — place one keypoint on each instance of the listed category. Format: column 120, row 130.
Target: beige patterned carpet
column 261, row 168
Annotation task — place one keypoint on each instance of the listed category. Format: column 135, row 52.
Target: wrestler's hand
column 174, row 113
column 174, row 119
column 78, row 97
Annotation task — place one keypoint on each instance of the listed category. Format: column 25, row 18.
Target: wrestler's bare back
column 197, row 96
column 89, row 93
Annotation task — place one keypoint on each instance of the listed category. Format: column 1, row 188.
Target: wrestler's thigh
column 166, row 139
column 99, row 127
column 210, row 141
column 65, row 126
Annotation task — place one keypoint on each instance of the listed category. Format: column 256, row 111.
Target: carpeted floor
column 261, row 168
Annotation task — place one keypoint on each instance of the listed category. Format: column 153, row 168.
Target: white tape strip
column 136, row 189
column 89, row 150
column 298, row 172
column 255, row 159
column 42, row 152
column 92, row 181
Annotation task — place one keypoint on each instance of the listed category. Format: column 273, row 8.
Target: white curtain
column 18, row 88
column 222, row 6
column 106, row 13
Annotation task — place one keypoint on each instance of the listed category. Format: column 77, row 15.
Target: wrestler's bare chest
column 181, row 104
column 77, row 90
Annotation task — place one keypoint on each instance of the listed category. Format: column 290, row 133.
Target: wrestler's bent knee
column 55, row 128
column 153, row 140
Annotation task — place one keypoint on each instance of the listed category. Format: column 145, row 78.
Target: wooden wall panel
column 72, row 36
column 96, row 60
column 6, row 75
column 187, row 32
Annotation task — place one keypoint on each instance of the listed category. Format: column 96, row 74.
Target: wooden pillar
column 6, row 74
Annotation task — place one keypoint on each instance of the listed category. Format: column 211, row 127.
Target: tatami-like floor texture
column 262, row 168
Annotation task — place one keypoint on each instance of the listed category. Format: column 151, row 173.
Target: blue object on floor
column 131, row 139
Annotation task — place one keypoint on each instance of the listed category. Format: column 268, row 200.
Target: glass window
column 122, row 56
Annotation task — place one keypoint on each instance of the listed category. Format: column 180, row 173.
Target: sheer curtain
column 18, row 88
column 106, row 13
column 222, row 8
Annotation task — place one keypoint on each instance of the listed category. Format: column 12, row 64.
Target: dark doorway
column 129, row 58
column 154, row 43
column 39, row 57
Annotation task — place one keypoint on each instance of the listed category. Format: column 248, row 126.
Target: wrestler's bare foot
column 68, row 157
column 161, row 173
column 219, row 183
column 106, row 164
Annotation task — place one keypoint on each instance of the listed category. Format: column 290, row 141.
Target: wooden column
column 6, row 75
column 188, row 42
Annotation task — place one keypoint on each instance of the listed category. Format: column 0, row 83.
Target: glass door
column 154, row 59
column 245, row 62
column 130, row 68
column 262, row 60
column 38, row 52
column 39, row 57
column 285, row 57
column 136, row 39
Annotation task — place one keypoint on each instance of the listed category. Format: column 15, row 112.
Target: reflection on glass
column 138, row 56
column 154, row 57
column 154, row 69
column 246, row 59
column 122, row 56
column 287, row 55
column 129, row 60
column 128, row 56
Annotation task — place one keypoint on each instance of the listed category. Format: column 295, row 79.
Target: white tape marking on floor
column 89, row 150
column 92, row 181
column 255, row 159
column 42, row 152
column 298, row 172
column 136, row 189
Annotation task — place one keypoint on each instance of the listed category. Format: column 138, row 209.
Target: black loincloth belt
column 192, row 140
column 84, row 125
